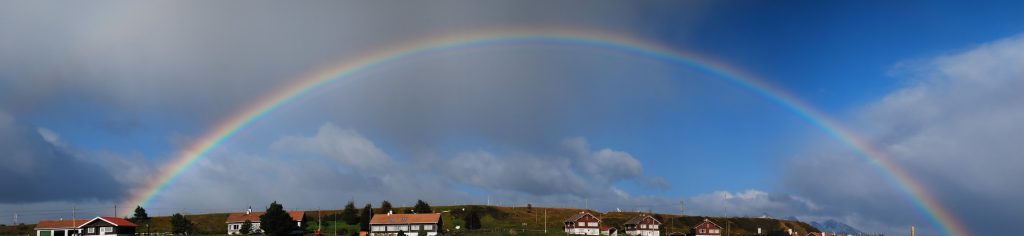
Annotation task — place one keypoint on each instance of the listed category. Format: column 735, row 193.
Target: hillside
column 496, row 221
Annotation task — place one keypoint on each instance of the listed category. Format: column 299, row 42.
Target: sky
column 97, row 97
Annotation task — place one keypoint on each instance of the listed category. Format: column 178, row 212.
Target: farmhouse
column 582, row 224
column 235, row 220
column 707, row 228
column 60, row 227
column 642, row 225
column 108, row 226
column 410, row 224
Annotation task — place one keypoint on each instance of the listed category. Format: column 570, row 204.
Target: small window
column 703, row 231
column 654, row 226
column 415, row 227
column 428, row 227
column 106, row 229
column 92, row 230
column 580, row 224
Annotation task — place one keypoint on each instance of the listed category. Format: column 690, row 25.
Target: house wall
column 377, row 230
column 97, row 226
column 233, row 228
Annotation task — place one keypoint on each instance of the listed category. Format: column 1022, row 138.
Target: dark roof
column 706, row 221
column 637, row 219
column 60, row 224
column 255, row 216
column 577, row 217
column 385, row 219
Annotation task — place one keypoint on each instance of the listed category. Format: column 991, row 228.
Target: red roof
column 255, row 216
column 384, row 219
column 112, row 220
column 60, row 224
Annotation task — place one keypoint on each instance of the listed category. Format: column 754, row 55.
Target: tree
column 529, row 208
column 246, row 227
column 385, row 207
column 140, row 216
column 180, row 224
column 472, row 220
column 276, row 221
column 422, row 207
column 364, row 218
column 349, row 214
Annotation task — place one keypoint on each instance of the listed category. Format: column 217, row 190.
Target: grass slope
column 496, row 221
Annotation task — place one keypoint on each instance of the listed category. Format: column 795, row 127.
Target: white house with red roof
column 410, row 224
column 60, row 227
column 235, row 220
column 582, row 224
column 642, row 225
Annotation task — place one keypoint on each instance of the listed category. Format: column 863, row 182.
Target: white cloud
column 956, row 127
column 750, row 202
column 345, row 145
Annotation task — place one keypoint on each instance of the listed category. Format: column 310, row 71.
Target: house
column 60, row 227
column 642, row 225
column 410, row 224
column 822, row 234
column 235, row 220
column 609, row 231
column 582, row 224
column 707, row 228
column 108, row 226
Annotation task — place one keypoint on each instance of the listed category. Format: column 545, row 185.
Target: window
column 428, row 227
column 415, row 227
column 377, row 228
column 92, row 230
column 592, row 224
column 703, row 231
column 106, row 229
column 580, row 223
column 654, row 226
column 714, row 231
column 392, row 228
column 235, row 226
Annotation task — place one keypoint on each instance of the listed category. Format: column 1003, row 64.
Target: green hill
column 496, row 221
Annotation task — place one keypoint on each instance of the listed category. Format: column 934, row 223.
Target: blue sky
column 122, row 87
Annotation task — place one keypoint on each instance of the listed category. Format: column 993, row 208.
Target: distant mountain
column 832, row 226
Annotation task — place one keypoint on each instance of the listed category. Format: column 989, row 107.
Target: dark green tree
column 364, row 218
column 472, row 220
column 422, row 207
column 246, row 227
column 349, row 215
column 180, row 224
column 276, row 221
column 385, row 207
column 140, row 215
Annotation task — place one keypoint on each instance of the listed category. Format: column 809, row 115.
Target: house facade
column 582, row 224
column 108, row 226
column 410, row 224
column 235, row 220
column 60, row 227
column 609, row 231
column 642, row 225
column 707, row 228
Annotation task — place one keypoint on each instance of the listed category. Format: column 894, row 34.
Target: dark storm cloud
column 35, row 170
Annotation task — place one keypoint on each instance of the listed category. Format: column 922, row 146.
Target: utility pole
column 545, row 220
column 115, row 210
column 318, row 221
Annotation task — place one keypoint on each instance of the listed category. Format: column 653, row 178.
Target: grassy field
column 496, row 221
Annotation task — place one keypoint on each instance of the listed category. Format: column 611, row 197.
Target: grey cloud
column 955, row 128
column 36, row 168
column 750, row 203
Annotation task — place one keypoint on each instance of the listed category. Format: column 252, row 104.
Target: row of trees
column 277, row 221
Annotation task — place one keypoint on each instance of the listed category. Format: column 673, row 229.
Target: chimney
column 390, row 212
column 248, row 211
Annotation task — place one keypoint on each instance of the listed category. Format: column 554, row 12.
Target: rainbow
column 226, row 129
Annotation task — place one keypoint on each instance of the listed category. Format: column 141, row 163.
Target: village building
column 410, row 224
column 707, row 228
column 235, row 220
column 642, row 225
column 60, row 227
column 108, row 226
column 609, row 231
column 582, row 224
